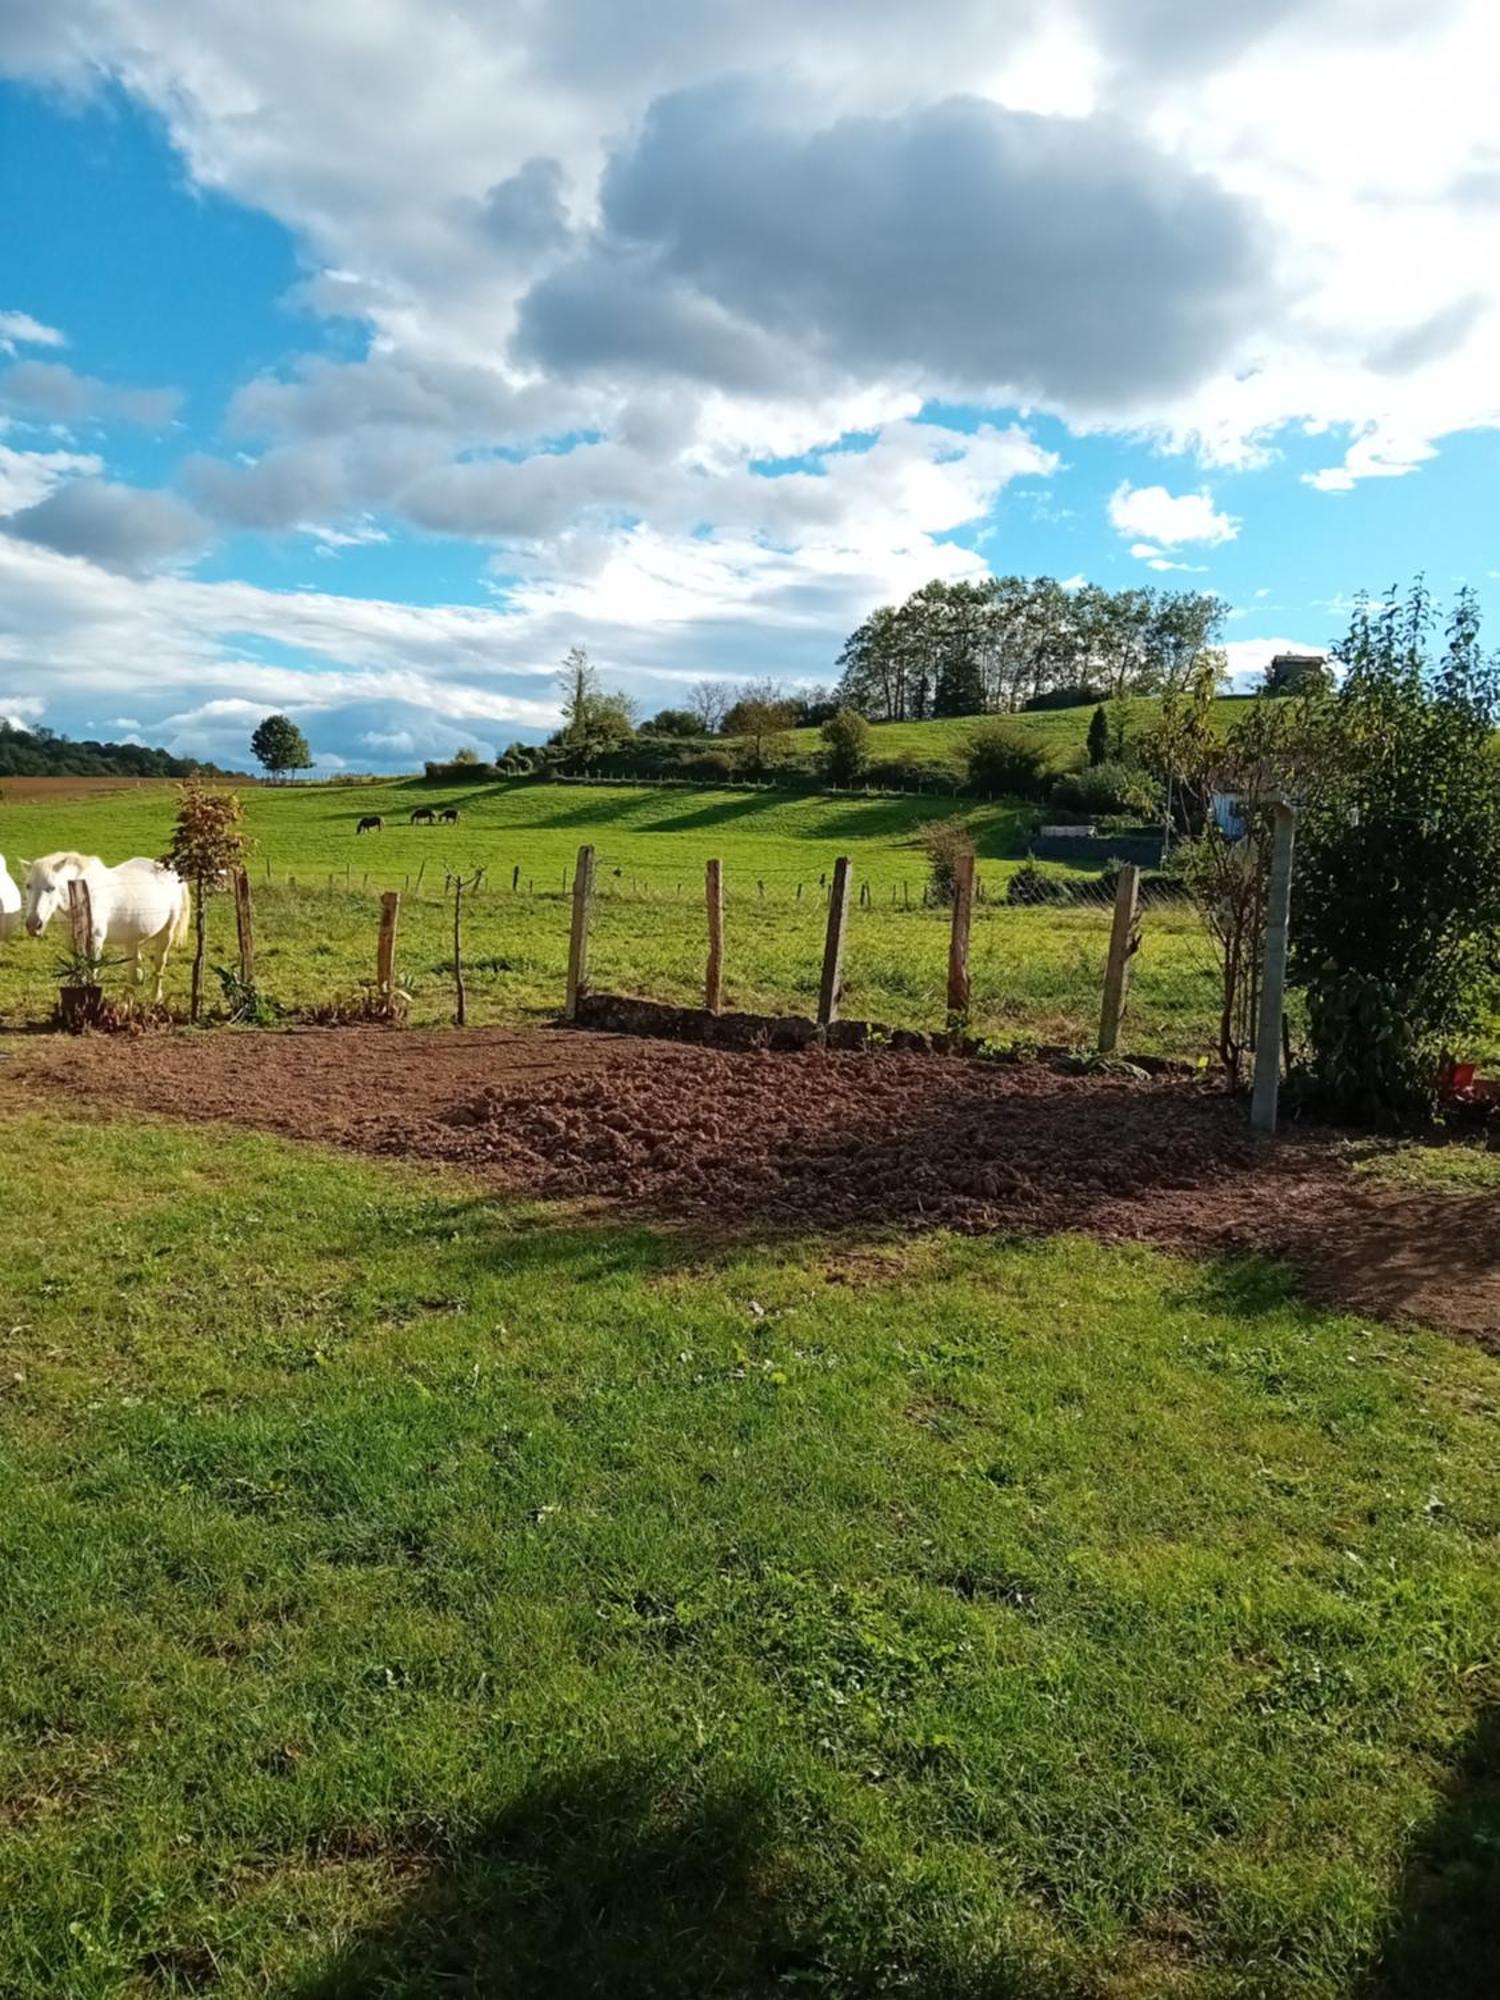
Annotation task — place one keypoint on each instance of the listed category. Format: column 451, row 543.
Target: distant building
column 1289, row 673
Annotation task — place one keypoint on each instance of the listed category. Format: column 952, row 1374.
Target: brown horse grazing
column 422, row 816
column 371, row 823
column 449, row 816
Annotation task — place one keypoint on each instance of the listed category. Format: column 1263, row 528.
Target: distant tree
column 593, row 722
column 1098, row 739
column 846, row 746
column 208, row 843
column 468, row 755
column 761, row 718
column 672, row 722
column 708, row 704
column 280, row 746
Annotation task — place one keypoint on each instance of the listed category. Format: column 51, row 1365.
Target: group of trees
column 1008, row 642
column 41, row 753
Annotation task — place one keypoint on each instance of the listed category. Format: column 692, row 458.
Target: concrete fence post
column 958, row 936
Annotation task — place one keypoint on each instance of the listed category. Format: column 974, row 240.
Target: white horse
column 10, row 904
column 140, row 909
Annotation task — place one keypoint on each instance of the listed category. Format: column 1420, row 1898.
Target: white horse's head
column 47, row 887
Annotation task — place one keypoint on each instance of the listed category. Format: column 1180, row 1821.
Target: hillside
column 39, row 753
column 933, row 748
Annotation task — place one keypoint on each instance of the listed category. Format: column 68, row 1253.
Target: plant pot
column 80, row 1007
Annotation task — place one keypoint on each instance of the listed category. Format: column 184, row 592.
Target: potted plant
column 80, row 993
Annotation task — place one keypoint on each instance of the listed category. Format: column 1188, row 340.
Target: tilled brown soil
column 750, row 1144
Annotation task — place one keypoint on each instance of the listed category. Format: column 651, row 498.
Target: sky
column 357, row 359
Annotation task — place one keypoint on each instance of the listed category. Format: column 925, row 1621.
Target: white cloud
column 1161, row 518
column 19, row 329
column 29, row 476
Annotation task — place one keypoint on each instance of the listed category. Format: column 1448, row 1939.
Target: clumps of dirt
column 747, row 1145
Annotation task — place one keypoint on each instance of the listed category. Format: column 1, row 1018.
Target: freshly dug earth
column 758, row 1143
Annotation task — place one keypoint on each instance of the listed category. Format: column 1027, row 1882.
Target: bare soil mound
column 757, row 1143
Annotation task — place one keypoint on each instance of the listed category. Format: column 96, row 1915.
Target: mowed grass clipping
column 406, row 1594
column 1037, row 973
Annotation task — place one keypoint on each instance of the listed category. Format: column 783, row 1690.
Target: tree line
column 1011, row 642
column 42, row 753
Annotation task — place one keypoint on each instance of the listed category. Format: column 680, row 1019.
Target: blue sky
column 359, row 361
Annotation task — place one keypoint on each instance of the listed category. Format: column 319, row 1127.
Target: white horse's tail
column 183, row 917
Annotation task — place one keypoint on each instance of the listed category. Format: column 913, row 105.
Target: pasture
column 412, row 1592
column 1036, row 972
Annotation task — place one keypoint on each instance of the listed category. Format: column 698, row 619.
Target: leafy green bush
column 905, row 774
column 1001, row 762
column 1103, row 790
column 1396, row 895
column 1031, row 885
column 846, row 746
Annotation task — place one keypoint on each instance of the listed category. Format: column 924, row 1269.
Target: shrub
column 459, row 771
column 710, row 767
column 846, row 746
column 671, row 722
column 1396, row 898
column 1031, row 885
column 1003, row 762
column 905, row 774
column 945, row 842
column 1102, row 790
column 1078, row 696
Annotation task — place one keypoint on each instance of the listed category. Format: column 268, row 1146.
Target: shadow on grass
column 1445, row 1941
column 637, row 1886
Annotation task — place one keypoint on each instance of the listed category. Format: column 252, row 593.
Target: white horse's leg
column 160, row 945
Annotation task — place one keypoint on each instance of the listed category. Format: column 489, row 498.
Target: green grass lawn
column 402, row 1593
column 1037, row 972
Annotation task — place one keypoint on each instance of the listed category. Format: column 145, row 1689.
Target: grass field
column 405, row 1594
column 1036, row 973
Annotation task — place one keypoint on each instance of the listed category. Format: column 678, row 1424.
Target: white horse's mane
column 63, row 862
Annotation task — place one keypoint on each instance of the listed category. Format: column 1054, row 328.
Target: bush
column 1079, row 696
column 905, row 774
column 1396, row 899
column 945, row 842
column 459, row 771
column 1105, row 790
column 1031, row 885
column 1002, row 762
column 709, row 767
column 846, row 746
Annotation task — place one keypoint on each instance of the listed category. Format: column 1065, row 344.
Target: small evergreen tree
column 280, row 746
column 1098, row 740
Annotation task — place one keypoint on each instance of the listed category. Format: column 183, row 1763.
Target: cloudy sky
column 357, row 358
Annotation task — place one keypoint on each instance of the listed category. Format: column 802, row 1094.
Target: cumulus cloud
column 28, row 476
column 1167, row 519
column 52, row 389
column 19, row 329
column 958, row 244
column 126, row 528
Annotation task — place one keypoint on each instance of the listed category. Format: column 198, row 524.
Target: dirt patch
column 758, row 1143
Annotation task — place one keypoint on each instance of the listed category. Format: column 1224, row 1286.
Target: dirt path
column 750, row 1144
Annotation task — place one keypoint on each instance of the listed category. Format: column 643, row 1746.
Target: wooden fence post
column 833, row 949
column 578, row 942
column 244, row 927
column 713, row 986
column 958, row 936
column 1124, row 940
column 385, row 950
column 1267, row 1085
column 81, row 917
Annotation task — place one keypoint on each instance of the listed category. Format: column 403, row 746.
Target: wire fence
column 1038, row 950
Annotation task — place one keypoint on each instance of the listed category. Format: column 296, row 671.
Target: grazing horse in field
column 140, row 909
column 10, row 903
column 371, row 823
column 449, row 816
column 422, row 816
